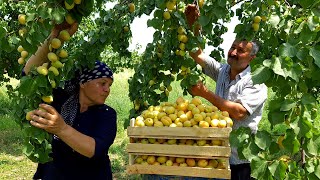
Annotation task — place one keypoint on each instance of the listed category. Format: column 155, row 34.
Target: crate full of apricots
column 184, row 138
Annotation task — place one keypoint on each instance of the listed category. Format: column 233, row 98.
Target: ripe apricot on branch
column 69, row 19
column 257, row 19
column 131, row 7
column 22, row 19
column 22, row 32
column 166, row 15
column 55, row 43
column 21, row 60
column 77, row 1
column 170, row 5
column 42, row 70
column 63, row 53
column 57, row 64
column 182, row 46
column 53, row 83
column 201, row 3
column 162, row 88
column 126, row 29
column 24, row 54
column 151, row 82
column 28, row 115
column 54, row 70
column 20, row 49
column 255, row 27
column 47, row 99
column 64, row 35
column 52, row 57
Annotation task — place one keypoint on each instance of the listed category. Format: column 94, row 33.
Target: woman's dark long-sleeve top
column 98, row 122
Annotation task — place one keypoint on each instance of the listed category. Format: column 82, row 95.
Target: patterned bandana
column 70, row 108
column 100, row 70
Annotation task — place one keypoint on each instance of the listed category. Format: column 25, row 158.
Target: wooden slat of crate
column 179, row 171
column 178, row 132
column 179, row 150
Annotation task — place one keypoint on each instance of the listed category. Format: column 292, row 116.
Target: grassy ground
column 14, row 165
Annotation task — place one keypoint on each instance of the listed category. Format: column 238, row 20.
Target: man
column 235, row 91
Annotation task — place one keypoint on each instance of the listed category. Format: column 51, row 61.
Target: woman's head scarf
column 100, row 70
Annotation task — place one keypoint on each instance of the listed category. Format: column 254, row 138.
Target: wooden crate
column 187, row 151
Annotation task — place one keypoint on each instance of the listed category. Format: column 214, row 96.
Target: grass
column 15, row 165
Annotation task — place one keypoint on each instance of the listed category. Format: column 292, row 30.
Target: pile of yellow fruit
column 184, row 113
column 180, row 161
column 190, row 142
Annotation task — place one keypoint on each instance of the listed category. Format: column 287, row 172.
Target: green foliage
column 288, row 63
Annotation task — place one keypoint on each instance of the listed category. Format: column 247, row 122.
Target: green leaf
column 305, row 3
column 41, row 81
column 280, row 170
column 291, row 142
column 305, row 127
column 259, row 167
column 287, row 105
column 3, row 32
column 58, row 15
column 308, row 99
column 277, row 68
column 300, row 28
column 261, row 75
column 273, row 167
column 287, row 50
column 316, row 56
column 295, row 72
column 307, row 36
column 276, row 117
column 311, row 24
column 263, row 139
column 26, row 86
column 28, row 148
column 274, row 20
column 238, row 136
column 250, row 150
column 317, row 171
column 204, row 20
column 310, row 166
column 312, row 147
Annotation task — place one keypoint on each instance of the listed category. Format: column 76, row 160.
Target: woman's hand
column 64, row 26
column 47, row 118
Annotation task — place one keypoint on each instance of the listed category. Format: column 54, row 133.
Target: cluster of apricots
column 180, row 161
column 190, row 142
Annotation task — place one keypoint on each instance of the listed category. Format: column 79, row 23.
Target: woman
column 83, row 127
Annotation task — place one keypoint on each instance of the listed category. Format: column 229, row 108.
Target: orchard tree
column 27, row 24
column 288, row 63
